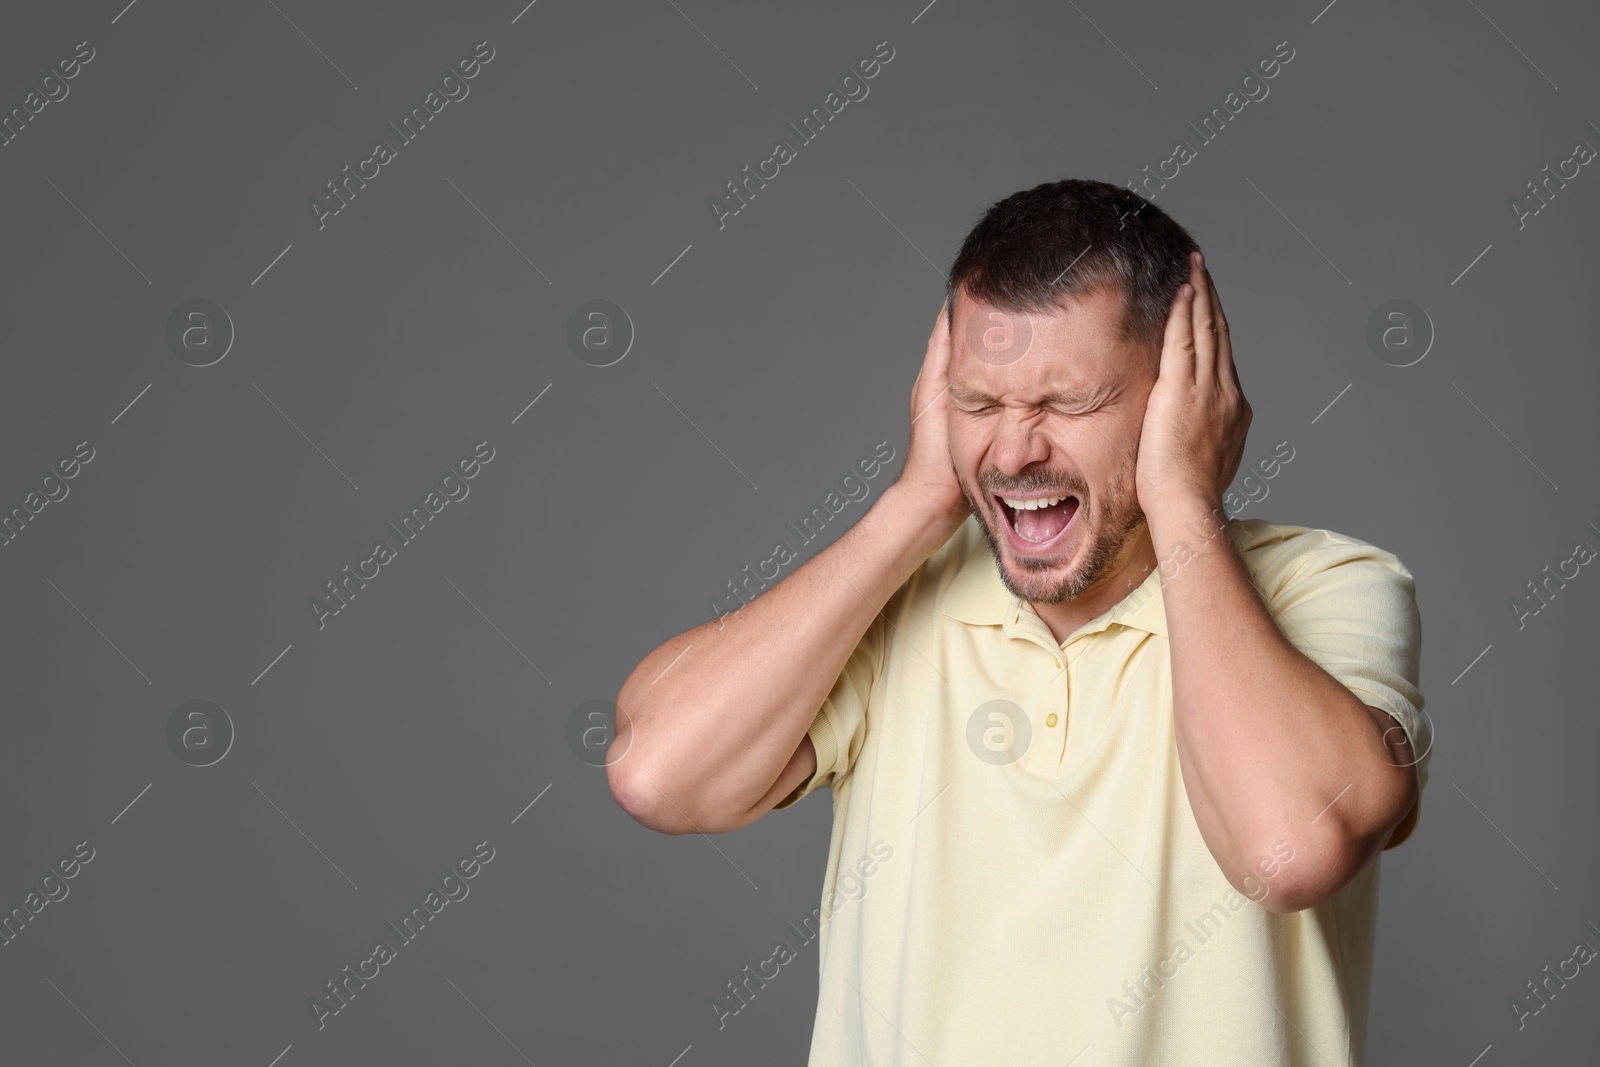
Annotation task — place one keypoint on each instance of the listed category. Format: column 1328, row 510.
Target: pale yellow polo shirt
column 991, row 909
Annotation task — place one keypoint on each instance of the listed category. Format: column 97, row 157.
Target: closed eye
column 990, row 408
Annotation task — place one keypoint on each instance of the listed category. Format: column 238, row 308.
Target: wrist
column 1194, row 512
column 921, row 516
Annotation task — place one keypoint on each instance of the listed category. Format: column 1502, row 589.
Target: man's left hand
column 1196, row 418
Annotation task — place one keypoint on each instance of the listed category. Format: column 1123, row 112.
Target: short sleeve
column 840, row 724
column 1351, row 608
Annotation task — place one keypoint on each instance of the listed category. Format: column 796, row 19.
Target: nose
column 1019, row 441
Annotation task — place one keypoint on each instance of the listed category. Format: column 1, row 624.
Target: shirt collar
column 977, row 596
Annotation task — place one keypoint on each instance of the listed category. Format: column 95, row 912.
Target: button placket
column 1058, row 721
column 1047, row 750
column 1049, row 715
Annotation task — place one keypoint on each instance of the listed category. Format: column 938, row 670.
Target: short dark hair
column 1018, row 254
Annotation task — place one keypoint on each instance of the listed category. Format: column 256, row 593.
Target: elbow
column 1328, row 857
column 636, row 792
column 1303, row 883
column 1295, row 896
column 658, row 785
column 1307, row 891
column 635, row 785
column 653, row 798
column 639, row 782
column 1315, row 873
column 1267, row 880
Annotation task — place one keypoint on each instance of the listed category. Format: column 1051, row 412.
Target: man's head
column 1058, row 302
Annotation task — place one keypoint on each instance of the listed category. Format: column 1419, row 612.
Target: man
column 1135, row 761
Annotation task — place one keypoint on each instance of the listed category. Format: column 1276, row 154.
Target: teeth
column 1033, row 505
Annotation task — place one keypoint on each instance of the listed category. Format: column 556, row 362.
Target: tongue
column 1042, row 524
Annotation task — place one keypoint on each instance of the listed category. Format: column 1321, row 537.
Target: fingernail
column 1197, row 259
column 1188, row 291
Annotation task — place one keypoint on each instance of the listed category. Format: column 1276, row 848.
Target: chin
column 1047, row 586
column 1039, row 579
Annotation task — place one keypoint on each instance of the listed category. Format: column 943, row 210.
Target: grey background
column 432, row 711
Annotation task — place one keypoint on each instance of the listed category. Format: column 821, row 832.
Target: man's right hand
column 929, row 475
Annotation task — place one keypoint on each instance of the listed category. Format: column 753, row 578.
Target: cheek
column 967, row 445
column 964, row 433
column 1115, row 450
column 1113, row 487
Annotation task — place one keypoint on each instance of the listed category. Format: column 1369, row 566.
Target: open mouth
column 1039, row 523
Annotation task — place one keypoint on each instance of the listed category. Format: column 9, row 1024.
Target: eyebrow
column 1056, row 395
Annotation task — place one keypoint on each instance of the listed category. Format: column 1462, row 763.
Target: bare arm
column 1268, row 741
column 711, row 726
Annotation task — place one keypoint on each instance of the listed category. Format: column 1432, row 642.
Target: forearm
column 707, row 721
column 1272, row 748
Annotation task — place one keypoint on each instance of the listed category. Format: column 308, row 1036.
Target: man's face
column 1044, row 406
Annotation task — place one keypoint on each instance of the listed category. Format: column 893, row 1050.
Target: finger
column 938, row 355
column 1205, row 326
column 933, row 377
column 1225, row 368
column 1177, row 343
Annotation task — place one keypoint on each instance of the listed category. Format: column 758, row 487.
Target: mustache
column 1066, row 483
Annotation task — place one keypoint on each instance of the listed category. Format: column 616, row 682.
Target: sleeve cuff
column 1421, row 738
column 826, row 743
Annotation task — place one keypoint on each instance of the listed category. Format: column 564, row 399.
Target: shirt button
column 1050, row 719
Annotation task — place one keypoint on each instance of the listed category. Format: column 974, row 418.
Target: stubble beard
column 1109, row 534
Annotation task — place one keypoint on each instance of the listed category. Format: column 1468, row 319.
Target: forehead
column 1075, row 348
